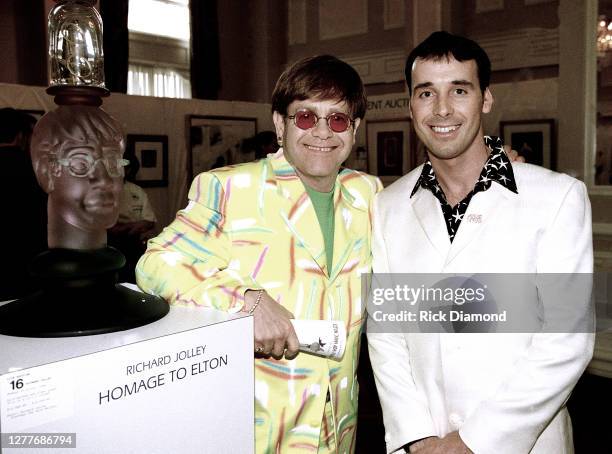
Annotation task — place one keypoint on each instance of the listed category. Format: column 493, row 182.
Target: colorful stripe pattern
column 253, row 226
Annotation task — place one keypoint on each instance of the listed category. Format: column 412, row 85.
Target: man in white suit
column 469, row 210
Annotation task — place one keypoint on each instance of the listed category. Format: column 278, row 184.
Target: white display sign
column 178, row 393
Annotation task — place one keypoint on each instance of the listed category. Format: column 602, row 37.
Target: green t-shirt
column 323, row 203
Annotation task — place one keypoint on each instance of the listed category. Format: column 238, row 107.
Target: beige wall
column 373, row 38
column 515, row 14
column 524, row 100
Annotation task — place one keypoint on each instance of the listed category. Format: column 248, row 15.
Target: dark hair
column 12, row 122
column 441, row 45
column 132, row 168
column 262, row 142
column 320, row 77
column 264, row 138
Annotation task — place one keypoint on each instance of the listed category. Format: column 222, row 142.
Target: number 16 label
column 35, row 396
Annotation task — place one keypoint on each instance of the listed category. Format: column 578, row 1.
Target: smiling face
column 89, row 202
column 77, row 157
column 316, row 153
column 446, row 107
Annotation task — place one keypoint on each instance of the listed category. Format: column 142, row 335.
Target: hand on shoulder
column 513, row 154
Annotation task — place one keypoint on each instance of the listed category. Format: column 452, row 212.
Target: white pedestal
column 183, row 384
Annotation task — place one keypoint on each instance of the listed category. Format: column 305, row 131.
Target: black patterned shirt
column 497, row 169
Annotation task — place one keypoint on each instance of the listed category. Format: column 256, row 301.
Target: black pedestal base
column 80, row 297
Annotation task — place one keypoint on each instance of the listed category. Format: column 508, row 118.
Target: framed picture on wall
column 152, row 155
column 358, row 160
column 389, row 148
column 216, row 141
column 535, row 140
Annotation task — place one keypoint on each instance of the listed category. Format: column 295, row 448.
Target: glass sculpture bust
column 77, row 153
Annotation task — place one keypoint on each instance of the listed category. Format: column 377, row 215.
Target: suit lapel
column 346, row 235
column 297, row 212
column 480, row 212
column 431, row 219
column 300, row 218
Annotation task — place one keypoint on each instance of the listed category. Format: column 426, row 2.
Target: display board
column 171, row 386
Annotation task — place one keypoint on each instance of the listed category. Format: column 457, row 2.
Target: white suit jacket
column 505, row 393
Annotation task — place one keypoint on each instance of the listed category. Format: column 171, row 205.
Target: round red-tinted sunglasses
column 307, row 119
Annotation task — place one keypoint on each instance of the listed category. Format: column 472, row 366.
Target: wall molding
column 601, row 228
column 522, row 48
column 393, row 14
column 379, row 67
column 296, row 18
column 601, row 364
column 485, row 6
column 597, row 189
column 335, row 23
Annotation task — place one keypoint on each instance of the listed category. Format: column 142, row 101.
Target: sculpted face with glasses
column 77, row 153
column 317, row 122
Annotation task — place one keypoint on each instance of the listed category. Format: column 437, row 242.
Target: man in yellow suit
column 287, row 236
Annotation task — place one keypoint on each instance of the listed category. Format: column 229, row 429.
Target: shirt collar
column 497, row 169
column 290, row 186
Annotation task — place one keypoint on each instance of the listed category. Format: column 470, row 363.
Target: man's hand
column 451, row 444
column 274, row 333
column 417, row 445
column 513, row 154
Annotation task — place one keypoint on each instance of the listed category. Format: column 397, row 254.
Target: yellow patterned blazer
column 252, row 226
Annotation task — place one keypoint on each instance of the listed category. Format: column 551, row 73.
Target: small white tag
column 475, row 218
column 36, row 396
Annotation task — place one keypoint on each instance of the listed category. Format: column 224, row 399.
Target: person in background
column 468, row 209
column 286, row 236
column 24, row 205
column 265, row 143
column 27, row 129
column 136, row 222
column 258, row 146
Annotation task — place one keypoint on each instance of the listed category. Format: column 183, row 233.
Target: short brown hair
column 320, row 77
